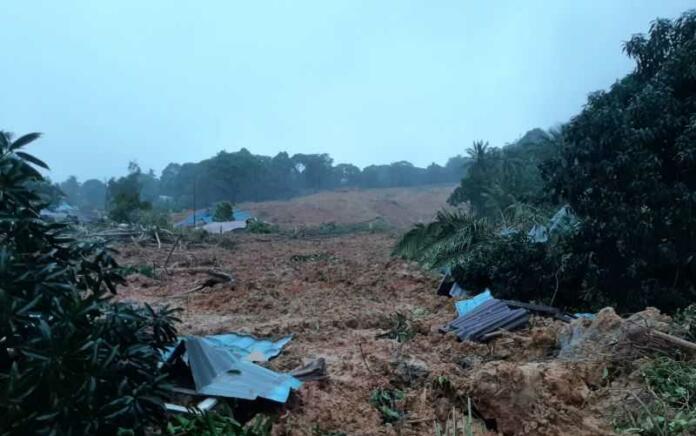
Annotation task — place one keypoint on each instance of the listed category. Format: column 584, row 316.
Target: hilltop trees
column 242, row 176
column 498, row 178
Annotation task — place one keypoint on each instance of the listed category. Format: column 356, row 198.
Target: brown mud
column 337, row 295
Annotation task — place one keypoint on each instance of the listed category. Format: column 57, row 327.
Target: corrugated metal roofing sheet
column 218, row 372
column 465, row 306
column 249, row 347
column 488, row 316
column 205, row 216
column 224, row 226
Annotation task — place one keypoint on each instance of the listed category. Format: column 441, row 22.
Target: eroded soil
column 337, row 295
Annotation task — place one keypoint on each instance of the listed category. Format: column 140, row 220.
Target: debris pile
column 487, row 318
column 223, row 366
column 572, row 392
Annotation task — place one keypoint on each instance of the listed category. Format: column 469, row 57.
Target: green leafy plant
column 626, row 166
column 684, row 322
column 668, row 406
column 124, row 200
column 224, row 211
column 628, row 170
column 389, row 404
column 260, row 227
column 401, row 329
column 71, row 361
column 217, row 424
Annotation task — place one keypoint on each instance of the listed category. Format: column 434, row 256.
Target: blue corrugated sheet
column 457, row 291
column 244, row 345
column 465, row 306
column 218, row 372
column 221, row 365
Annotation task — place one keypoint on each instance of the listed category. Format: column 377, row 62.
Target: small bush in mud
column 685, row 322
column 260, row 227
column 217, row 424
column 668, row 406
column 313, row 257
column 402, row 329
column 389, row 403
column 146, row 270
column 443, row 384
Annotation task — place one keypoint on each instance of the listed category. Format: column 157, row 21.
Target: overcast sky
column 108, row 82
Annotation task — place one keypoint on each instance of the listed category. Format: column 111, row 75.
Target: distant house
column 205, row 216
column 62, row 212
column 224, row 226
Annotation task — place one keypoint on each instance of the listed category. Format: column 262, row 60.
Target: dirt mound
column 565, row 393
column 399, row 207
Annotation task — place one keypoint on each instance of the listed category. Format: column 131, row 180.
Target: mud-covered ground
column 337, row 295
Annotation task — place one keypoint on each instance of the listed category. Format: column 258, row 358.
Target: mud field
column 339, row 296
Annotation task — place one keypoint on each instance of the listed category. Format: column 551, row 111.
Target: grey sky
column 365, row 81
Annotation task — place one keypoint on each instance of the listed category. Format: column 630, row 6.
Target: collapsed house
column 203, row 217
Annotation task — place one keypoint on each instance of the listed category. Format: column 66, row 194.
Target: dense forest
column 602, row 212
column 243, row 176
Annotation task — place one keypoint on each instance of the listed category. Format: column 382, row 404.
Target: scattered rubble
column 549, row 377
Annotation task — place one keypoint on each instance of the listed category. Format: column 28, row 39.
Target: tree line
column 243, row 176
column 600, row 212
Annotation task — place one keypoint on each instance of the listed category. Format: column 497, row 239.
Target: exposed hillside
column 399, row 207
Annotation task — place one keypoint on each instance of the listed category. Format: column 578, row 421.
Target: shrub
column 389, row 404
column 71, row 361
column 668, row 406
column 224, row 211
column 260, row 227
column 217, row 424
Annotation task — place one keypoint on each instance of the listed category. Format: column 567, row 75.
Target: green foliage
column 216, row 424
column 92, row 194
column 628, row 169
column 151, row 218
column 224, row 211
column 626, row 165
column 457, row 424
column 389, row 404
column 260, row 227
column 684, row 322
column 444, row 241
column 669, row 404
column 125, row 203
column 401, row 329
column 71, row 361
column 498, row 178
